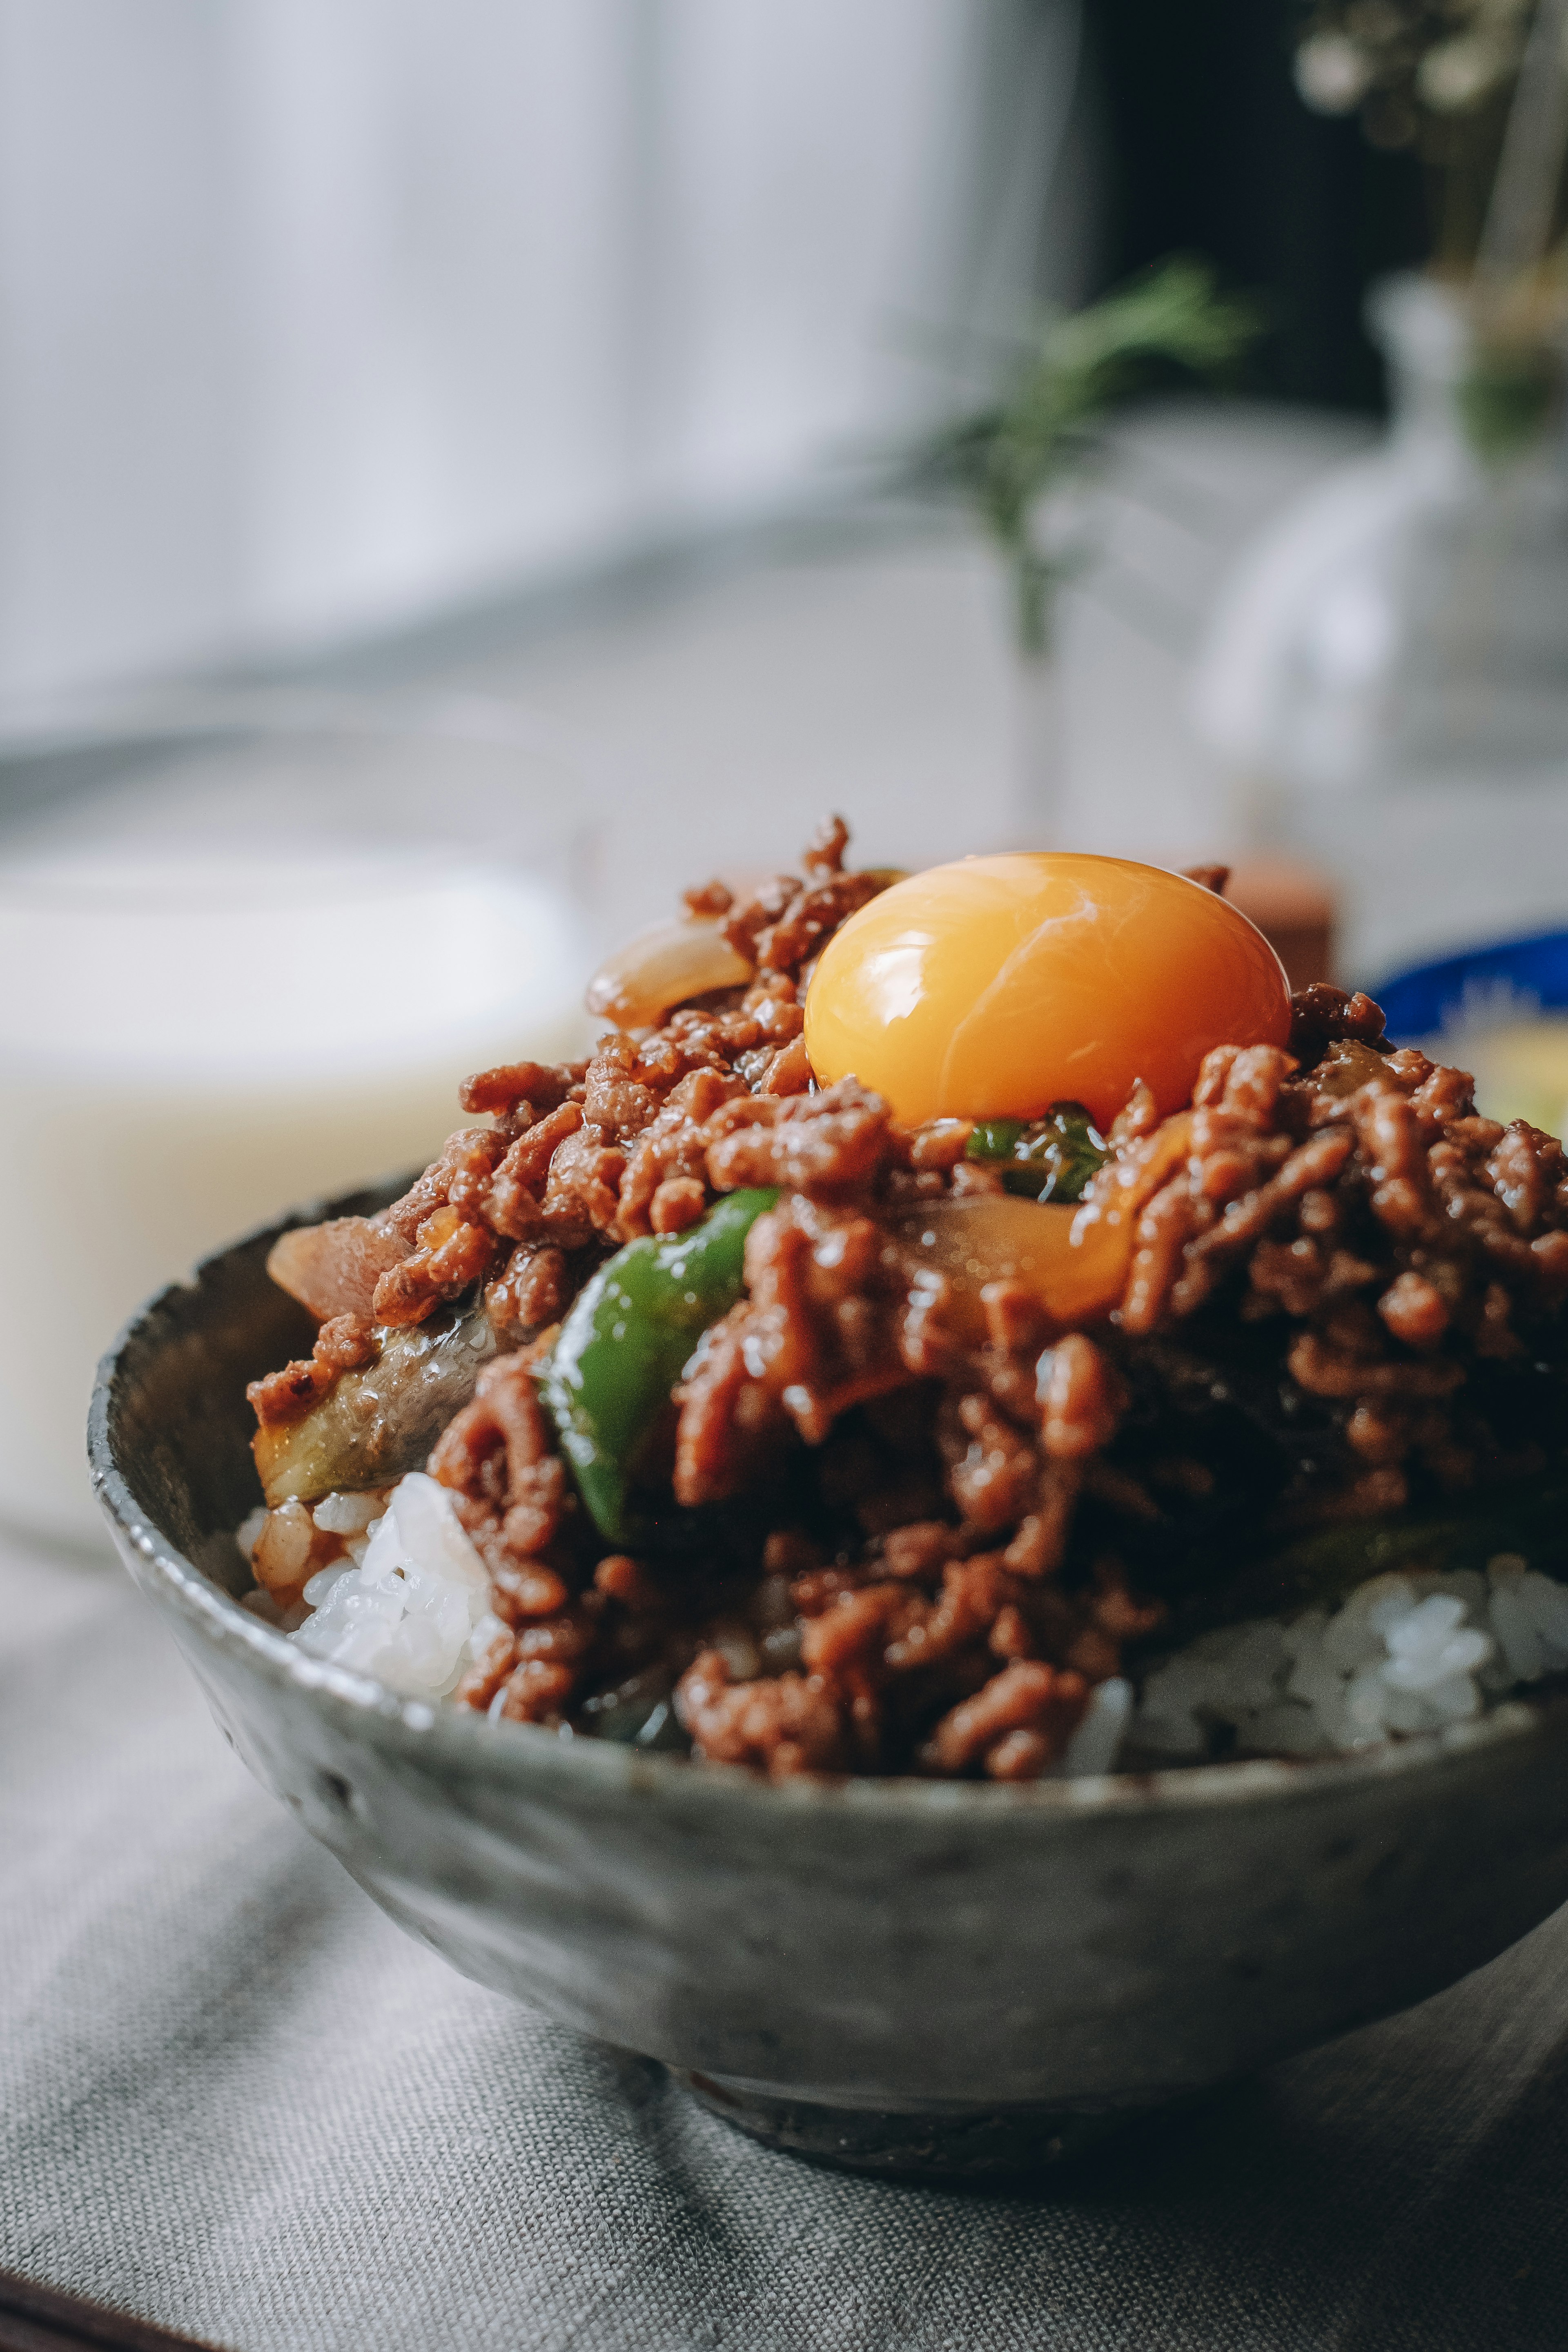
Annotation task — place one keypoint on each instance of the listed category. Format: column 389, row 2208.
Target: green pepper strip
column 630, row 1337
column 995, row 1138
column 1051, row 1159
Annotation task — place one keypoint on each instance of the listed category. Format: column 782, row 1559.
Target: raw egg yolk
column 994, row 987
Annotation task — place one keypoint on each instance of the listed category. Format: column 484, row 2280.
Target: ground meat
column 534, row 1289
column 1352, row 1197
column 710, row 899
column 536, row 1086
column 822, row 1145
column 342, row 1344
column 788, row 1725
column 1015, row 1727
column 930, row 1526
column 498, row 1456
column 671, row 1153
column 510, row 1487
column 1320, row 1015
column 810, row 918
column 451, row 1256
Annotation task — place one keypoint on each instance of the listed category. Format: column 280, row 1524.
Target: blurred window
column 320, row 312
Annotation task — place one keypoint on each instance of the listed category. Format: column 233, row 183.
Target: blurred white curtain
column 314, row 314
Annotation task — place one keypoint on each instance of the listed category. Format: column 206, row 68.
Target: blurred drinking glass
column 247, row 951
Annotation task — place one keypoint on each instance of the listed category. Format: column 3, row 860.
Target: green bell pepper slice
column 628, row 1339
column 1051, row 1158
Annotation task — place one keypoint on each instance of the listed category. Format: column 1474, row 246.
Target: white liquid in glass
column 191, row 1043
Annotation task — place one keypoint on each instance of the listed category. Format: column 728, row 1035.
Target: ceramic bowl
column 900, row 1975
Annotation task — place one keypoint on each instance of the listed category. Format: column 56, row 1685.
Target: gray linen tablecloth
column 238, row 2102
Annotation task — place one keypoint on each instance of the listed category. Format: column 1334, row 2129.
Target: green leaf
column 1049, row 1159
column 1076, row 371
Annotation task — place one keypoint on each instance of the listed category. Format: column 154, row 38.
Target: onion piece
column 1116, row 1193
column 333, row 1268
column 1074, row 1260
column 977, row 1238
column 637, row 986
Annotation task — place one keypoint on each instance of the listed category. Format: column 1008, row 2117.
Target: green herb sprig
column 1041, row 435
column 1049, row 1159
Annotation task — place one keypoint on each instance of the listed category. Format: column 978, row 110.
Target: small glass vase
column 1386, row 681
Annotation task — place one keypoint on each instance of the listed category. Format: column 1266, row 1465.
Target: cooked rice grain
column 1407, row 1652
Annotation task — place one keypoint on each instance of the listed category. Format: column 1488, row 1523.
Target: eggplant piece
column 374, row 1423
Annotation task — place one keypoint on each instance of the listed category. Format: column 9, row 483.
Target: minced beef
column 907, row 1541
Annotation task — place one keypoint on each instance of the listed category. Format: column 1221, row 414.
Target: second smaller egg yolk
column 996, row 986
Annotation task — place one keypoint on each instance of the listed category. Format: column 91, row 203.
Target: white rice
column 1406, row 1652
column 411, row 1604
column 247, row 1535
column 348, row 1515
column 1095, row 1745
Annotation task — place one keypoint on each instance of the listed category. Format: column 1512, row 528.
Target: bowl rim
column 431, row 1730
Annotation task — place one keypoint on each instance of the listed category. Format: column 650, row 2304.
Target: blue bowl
column 1434, row 997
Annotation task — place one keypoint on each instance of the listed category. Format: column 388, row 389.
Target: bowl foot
column 952, row 2143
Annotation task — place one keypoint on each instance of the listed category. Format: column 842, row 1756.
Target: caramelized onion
column 1074, row 1260
column 1117, row 1192
column 976, row 1238
column 637, row 986
column 333, row 1268
column 1347, row 1063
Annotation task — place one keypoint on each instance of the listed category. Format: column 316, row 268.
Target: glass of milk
column 247, row 951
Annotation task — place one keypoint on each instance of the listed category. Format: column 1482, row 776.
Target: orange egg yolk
column 994, row 987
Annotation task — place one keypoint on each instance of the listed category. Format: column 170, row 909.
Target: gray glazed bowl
column 902, row 1976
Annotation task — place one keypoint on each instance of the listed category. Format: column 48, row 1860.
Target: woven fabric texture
column 235, row 2100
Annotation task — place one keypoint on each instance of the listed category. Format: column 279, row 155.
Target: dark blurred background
column 1209, row 146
